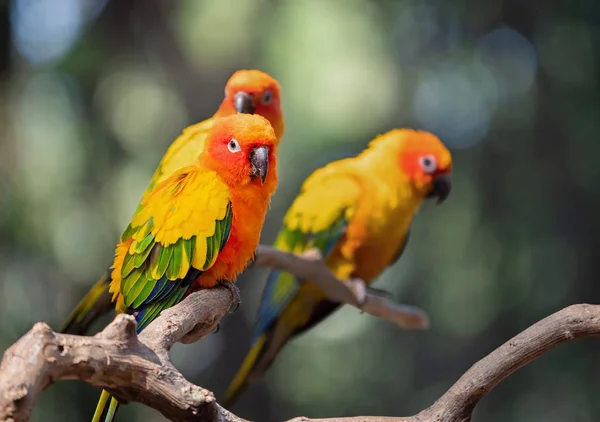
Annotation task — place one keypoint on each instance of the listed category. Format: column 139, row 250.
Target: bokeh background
column 93, row 91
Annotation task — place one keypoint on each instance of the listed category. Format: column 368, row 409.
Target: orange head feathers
column 427, row 162
column 241, row 149
column 420, row 156
column 254, row 92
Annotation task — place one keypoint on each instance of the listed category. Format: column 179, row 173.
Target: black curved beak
column 243, row 103
column 259, row 159
column 442, row 186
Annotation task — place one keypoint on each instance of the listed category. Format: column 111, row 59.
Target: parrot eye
column 234, row 146
column 428, row 163
column 266, row 98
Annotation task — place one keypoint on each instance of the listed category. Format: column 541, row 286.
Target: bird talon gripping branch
column 236, row 297
column 360, row 291
column 379, row 292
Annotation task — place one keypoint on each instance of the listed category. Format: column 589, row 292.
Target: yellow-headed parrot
column 357, row 212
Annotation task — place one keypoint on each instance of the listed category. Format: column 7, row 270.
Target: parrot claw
column 236, row 298
column 217, row 328
column 380, row 292
column 360, row 290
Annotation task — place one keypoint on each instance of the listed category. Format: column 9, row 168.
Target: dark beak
column 442, row 185
column 259, row 159
column 243, row 103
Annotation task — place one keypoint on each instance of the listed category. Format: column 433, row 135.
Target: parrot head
column 254, row 92
column 427, row 162
column 241, row 149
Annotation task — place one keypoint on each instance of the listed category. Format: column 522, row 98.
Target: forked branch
column 139, row 369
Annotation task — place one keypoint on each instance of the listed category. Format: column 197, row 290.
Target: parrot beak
column 259, row 159
column 243, row 103
column 442, row 185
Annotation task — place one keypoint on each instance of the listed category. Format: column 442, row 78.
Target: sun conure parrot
column 197, row 228
column 357, row 211
column 247, row 91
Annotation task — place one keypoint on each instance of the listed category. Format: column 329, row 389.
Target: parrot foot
column 360, row 290
column 236, row 298
column 380, row 293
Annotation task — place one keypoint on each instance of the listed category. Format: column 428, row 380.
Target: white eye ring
column 267, row 97
column 233, row 145
column 428, row 163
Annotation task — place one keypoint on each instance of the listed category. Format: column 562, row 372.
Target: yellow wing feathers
column 182, row 152
column 186, row 204
column 182, row 226
column 317, row 209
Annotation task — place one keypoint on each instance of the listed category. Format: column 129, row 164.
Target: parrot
column 198, row 228
column 357, row 212
column 247, row 91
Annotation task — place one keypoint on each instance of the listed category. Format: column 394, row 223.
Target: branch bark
column 132, row 368
column 310, row 266
column 139, row 369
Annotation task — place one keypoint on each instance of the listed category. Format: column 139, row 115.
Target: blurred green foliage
column 92, row 92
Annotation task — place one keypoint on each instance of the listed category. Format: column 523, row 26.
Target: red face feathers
column 241, row 149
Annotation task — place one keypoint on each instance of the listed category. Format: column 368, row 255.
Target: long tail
column 106, row 409
column 266, row 347
column 241, row 378
column 95, row 304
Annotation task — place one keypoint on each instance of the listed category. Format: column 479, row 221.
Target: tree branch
column 457, row 404
column 132, row 368
column 139, row 369
column 310, row 266
column 136, row 368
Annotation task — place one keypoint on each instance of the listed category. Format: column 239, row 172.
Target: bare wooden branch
column 118, row 361
column 571, row 323
column 136, row 368
column 310, row 266
column 140, row 370
column 115, row 359
column 458, row 403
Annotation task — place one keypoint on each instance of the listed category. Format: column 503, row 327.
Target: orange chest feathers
column 249, row 211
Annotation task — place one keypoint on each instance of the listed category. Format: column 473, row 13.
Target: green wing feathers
column 151, row 269
column 177, row 233
column 174, row 239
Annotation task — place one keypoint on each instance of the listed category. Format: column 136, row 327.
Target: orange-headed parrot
column 247, row 91
column 197, row 228
column 357, row 211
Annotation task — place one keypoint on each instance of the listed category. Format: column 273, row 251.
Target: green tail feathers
column 95, row 304
column 106, row 409
column 241, row 378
